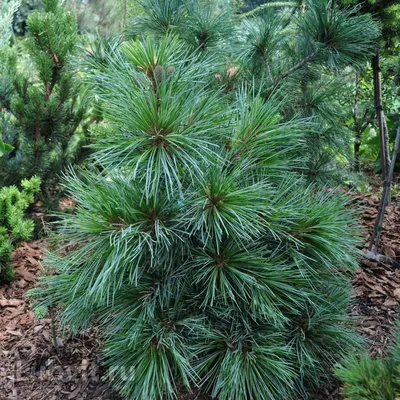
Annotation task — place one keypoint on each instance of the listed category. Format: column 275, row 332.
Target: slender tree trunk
column 383, row 133
column 376, row 235
column 357, row 145
column 358, row 132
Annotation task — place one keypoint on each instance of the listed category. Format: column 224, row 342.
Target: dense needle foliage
column 7, row 10
column 14, row 227
column 298, row 50
column 40, row 100
column 365, row 378
column 199, row 251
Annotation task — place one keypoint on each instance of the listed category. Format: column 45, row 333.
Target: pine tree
column 296, row 49
column 205, row 260
column 13, row 226
column 42, row 110
column 7, row 10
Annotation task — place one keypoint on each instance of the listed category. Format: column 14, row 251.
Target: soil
column 377, row 283
column 32, row 369
column 376, row 294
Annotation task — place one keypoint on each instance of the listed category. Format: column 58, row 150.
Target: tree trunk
column 376, row 235
column 358, row 131
column 383, row 134
column 357, row 145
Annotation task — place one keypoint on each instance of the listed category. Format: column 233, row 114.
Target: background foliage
column 41, row 107
column 14, row 227
column 373, row 379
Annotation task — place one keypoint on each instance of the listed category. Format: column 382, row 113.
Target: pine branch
column 53, row 82
column 295, row 68
column 268, row 5
column 7, row 10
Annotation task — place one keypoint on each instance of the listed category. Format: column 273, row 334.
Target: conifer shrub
column 203, row 258
column 14, row 227
column 299, row 49
column 365, row 378
column 40, row 99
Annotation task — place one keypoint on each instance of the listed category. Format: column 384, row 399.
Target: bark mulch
column 30, row 368
column 376, row 296
column 377, row 284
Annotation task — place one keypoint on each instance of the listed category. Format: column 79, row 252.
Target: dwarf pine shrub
column 203, row 257
column 13, row 225
column 365, row 378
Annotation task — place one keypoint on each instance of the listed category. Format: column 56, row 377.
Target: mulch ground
column 377, row 284
column 376, row 295
column 30, row 368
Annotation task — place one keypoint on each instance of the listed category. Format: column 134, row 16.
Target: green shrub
column 204, row 259
column 13, row 225
column 40, row 99
column 365, row 378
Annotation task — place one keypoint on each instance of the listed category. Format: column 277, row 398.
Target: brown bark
column 295, row 68
column 375, row 238
column 357, row 139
